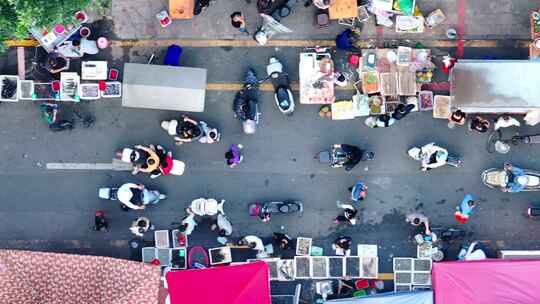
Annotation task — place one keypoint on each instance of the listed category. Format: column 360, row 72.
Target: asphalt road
column 53, row 210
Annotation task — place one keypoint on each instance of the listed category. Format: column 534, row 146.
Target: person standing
column 238, row 21
column 358, row 191
column 479, row 124
column 348, row 216
column 506, row 121
column 456, row 118
column 100, row 222
column 188, row 223
column 222, row 225
column 233, row 156
column 417, row 219
column 465, row 209
column 342, row 245
column 140, row 226
column 283, row 241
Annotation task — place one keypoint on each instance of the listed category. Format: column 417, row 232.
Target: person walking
column 140, row 226
column 358, row 191
column 465, row 209
column 348, row 216
column 100, row 222
column 233, row 156
column 238, row 22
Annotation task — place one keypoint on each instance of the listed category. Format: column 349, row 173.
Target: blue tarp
column 416, row 297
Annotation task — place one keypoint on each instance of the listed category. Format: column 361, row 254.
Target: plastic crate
column 403, row 264
column 26, row 89
column 148, row 254
column 161, row 238
column 422, row 265
column 12, row 78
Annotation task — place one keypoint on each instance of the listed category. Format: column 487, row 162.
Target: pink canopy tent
column 486, row 282
column 248, row 283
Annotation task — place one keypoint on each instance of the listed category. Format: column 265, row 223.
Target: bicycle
column 502, row 145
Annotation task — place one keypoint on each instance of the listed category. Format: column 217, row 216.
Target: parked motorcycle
column 533, row 211
column 264, row 209
column 503, row 179
column 152, row 157
column 188, row 130
column 246, row 104
column 127, row 193
column 432, row 156
column 282, row 86
column 337, row 157
column 206, row 206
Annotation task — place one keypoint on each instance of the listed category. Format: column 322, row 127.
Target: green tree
column 16, row 16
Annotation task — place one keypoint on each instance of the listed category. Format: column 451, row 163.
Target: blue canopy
column 416, row 297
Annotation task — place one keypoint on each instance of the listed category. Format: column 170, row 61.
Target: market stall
column 316, row 77
column 393, row 76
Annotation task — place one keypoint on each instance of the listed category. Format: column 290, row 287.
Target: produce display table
column 342, row 9
column 181, row 9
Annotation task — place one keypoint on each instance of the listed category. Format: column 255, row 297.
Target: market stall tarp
column 164, row 87
column 416, row 297
column 487, row 281
column 495, row 86
column 248, row 283
column 55, row 278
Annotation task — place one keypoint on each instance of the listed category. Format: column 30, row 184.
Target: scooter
column 150, row 196
column 423, row 154
column 246, row 104
column 336, row 157
column 282, row 86
column 204, row 133
column 133, row 156
column 203, row 206
column 499, row 178
column 264, row 210
column 533, row 212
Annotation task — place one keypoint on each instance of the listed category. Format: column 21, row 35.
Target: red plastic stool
column 354, row 60
column 361, row 284
column 55, row 85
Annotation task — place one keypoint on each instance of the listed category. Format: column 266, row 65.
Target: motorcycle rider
column 186, row 131
column 136, row 196
column 144, row 159
column 517, row 180
column 353, row 155
column 245, row 103
column 430, row 155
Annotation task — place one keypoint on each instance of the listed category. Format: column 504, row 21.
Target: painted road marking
column 114, row 166
column 364, row 43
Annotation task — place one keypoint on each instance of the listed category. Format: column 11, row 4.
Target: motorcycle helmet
column 442, row 156
column 170, row 126
column 249, row 126
column 415, row 153
column 130, row 155
column 522, row 180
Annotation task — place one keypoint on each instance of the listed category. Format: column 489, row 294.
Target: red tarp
column 487, row 282
column 241, row 284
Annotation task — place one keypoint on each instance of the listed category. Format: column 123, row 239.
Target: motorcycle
column 533, row 211
column 282, row 86
column 201, row 132
column 147, row 197
column 264, row 210
column 432, row 156
column 135, row 157
column 203, row 206
column 245, row 104
column 336, row 157
column 500, row 178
